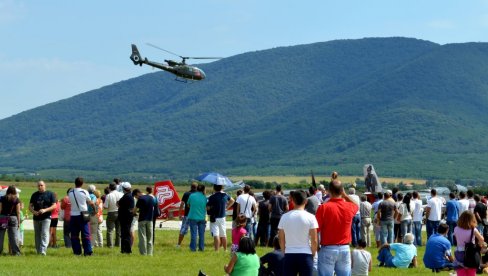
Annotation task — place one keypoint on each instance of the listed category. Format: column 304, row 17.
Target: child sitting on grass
column 360, row 260
column 238, row 232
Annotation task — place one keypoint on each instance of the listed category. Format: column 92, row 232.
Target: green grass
column 167, row 260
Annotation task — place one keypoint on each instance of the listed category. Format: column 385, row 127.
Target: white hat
column 125, row 185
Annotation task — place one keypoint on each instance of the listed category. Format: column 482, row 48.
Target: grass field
column 167, row 260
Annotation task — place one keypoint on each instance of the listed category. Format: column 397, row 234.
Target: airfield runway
column 160, row 225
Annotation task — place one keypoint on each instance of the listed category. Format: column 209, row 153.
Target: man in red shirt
column 335, row 219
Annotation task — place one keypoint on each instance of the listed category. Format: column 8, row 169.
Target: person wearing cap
column 405, row 253
column 80, row 200
column 386, row 214
column 126, row 215
column 217, row 206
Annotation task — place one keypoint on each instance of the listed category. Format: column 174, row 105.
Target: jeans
column 273, row 222
column 365, row 228
column 334, row 258
column 113, row 223
column 431, row 227
column 262, row 233
column 197, row 227
column 298, row 264
column 406, row 227
column 385, row 257
column 66, row 234
column 450, row 236
column 41, row 232
column 13, row 235
column 77, row 225
column 145, row 231
column 417, row 232
column 356, row 229
column 386, row 231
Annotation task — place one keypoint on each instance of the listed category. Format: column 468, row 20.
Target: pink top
column 66, row 206
column 237, row 234
column 55, row 212
column 462, row 237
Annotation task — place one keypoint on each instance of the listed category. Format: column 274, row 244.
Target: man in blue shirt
column 438, row 250
column 405, row 253
column 452, row 215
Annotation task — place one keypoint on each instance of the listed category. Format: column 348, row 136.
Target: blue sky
column 51, row 50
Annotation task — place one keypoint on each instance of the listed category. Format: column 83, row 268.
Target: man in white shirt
column 418, row 214
column 246, row 205
column 80, row 199
column 112, row 215
column 433, row 213
column 463, row 203
column 298, row 237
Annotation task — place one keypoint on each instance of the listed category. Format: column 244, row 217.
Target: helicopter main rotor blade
column 159, row 48
column 202, row 57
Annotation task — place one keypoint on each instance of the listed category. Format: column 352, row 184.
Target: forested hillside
column 411, row 107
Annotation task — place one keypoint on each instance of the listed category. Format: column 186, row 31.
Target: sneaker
column 178, row 246
column 43, row 253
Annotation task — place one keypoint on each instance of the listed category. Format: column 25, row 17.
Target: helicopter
column 183, row 71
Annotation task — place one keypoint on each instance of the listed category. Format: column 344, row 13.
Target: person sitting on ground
column 274, row 259
column 361, row 263
column 438, row 250
column 466, row 232
column 244, row 261
column 406, row 253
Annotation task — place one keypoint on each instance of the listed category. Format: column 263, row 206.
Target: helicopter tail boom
column 136, row 57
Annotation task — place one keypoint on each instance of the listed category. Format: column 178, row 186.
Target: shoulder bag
column 472, row 255
column 84, row 214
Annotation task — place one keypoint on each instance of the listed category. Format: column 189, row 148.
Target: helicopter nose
column 203, row 74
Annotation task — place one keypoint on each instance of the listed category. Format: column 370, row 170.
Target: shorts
column 185, row 224
column 54, row 222
column 133, row 224
column 217, row 228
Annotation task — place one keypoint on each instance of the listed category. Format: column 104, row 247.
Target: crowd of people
column 311, row 232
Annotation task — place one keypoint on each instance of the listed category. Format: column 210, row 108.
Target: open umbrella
column 214, row 178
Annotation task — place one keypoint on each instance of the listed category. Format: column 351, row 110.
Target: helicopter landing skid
column 184, row 80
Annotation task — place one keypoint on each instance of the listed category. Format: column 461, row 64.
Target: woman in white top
column 405, row 211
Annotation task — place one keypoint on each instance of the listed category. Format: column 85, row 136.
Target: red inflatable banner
column 168, row 198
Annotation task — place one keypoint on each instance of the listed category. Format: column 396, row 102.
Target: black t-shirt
column 480, row 209
column 9, row 208
column 275, row 261
column 185, row 200
column 263, row 211
column 145, row 204
column 126, row 205
column 217, row 203
column 42, row 201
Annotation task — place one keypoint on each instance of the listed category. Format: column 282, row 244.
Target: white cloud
column 11, row 11
column 441, row 24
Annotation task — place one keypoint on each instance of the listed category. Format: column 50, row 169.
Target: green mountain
column 411, row 107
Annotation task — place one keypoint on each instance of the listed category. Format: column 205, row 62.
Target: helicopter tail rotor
column 136, row 57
